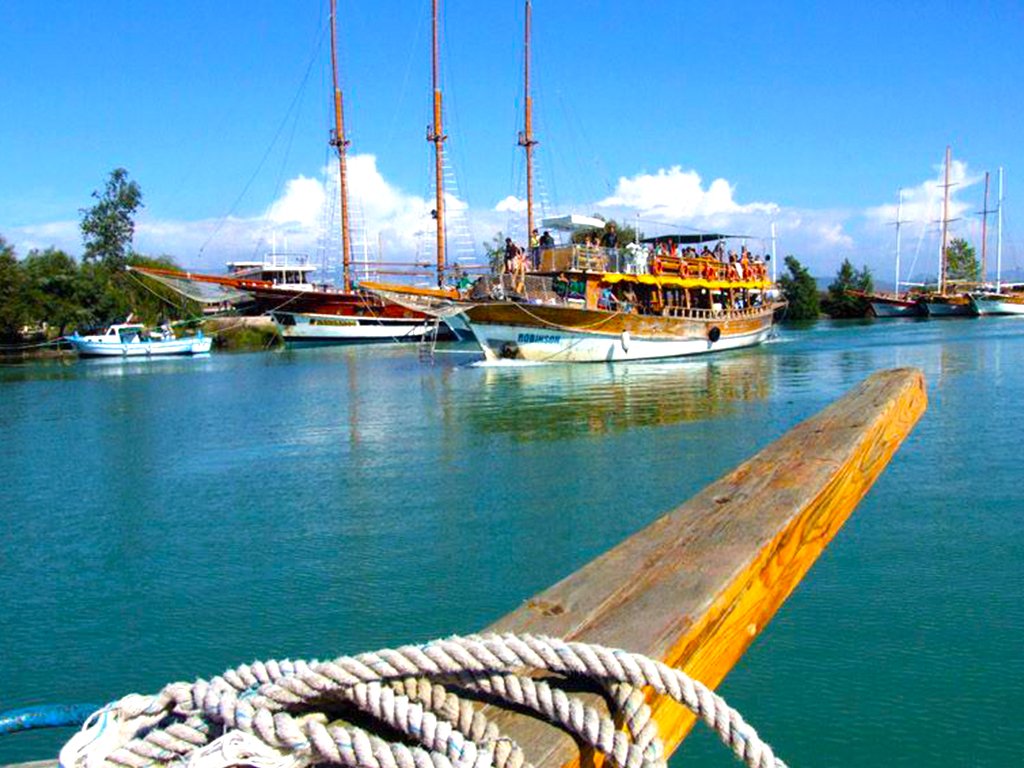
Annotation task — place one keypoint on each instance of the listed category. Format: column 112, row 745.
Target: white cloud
column 511, row 204
column 300, row 205
column 678, row 194
column 922, row 204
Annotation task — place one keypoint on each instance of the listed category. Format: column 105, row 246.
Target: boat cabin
column 124, row 333
column 283, row 269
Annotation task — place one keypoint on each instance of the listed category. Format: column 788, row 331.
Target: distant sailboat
column 943, row 303
column 895, row 304
column 999, row 302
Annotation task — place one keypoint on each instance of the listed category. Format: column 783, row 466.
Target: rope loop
column 294, row 714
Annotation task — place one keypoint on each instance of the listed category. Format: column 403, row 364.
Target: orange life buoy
column 656, row 266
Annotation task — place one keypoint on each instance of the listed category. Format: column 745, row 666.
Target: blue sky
column 727, row 116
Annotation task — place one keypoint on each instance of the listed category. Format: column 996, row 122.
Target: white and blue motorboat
column 132, row 340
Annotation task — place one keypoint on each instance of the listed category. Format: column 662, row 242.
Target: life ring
column 709, row 272
column 656, row 266
column 714, row 333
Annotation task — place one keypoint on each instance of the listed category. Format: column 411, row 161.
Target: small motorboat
column 133, row 340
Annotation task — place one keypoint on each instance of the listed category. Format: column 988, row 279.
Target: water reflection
column 100, row 368
column 548, row 402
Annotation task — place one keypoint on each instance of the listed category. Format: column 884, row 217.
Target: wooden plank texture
column 695, row 587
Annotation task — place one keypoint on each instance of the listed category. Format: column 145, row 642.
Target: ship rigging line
column 283, row 714
column 277, row 134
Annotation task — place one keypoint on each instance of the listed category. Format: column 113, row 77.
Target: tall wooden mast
column 945, row 228
column 340, row 144
column 984, row 230
column 526, row 140
column 436, row 135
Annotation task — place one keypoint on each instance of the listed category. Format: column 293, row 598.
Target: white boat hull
column 300, row 329
column 996, row 305
column 96, row 347
column 563, row 346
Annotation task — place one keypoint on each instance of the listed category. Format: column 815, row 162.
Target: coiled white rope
column 284, row 714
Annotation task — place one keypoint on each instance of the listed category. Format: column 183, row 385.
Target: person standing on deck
column 610, row 239
column 512, row 252
column 534, row 249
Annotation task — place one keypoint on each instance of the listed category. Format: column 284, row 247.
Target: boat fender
column 625, row 341
column 509, row 350
column 714, row 334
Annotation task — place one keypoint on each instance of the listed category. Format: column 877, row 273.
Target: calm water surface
column 168, row 519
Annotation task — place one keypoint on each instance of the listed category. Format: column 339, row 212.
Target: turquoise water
column 168, row 519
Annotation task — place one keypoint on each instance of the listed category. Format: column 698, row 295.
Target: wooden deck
column 695, row 587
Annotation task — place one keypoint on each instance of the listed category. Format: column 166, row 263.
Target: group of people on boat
column 744, row 265
column 658, row 257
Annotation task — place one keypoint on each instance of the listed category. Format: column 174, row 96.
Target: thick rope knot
column 293, row 714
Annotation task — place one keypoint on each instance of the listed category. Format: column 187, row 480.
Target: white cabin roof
column 571, row 222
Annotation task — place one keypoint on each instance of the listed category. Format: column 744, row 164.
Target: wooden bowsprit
column 695, row 587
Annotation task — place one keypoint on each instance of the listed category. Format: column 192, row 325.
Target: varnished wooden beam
column 695, row 587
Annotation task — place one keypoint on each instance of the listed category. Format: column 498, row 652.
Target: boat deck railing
column 636, row 260
column 697, row 313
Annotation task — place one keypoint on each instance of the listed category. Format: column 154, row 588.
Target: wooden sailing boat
column 314, row 315
column 945, row 302
column 580, row 303
column 588, row 304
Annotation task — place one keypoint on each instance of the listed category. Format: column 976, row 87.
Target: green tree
column 962, row 262
column 801, row 291
column 495, row 251
column 13, row 308
column 153, row 302
column 840, row 302
column 109, row 226
column 624, row 233
column 53, row 289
